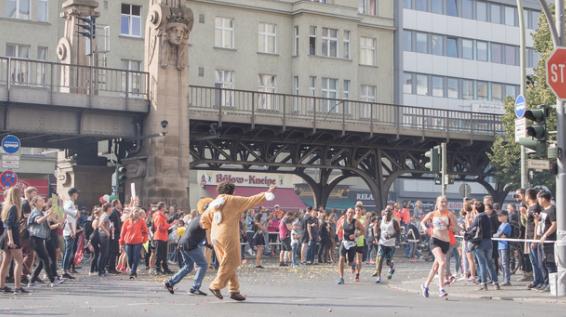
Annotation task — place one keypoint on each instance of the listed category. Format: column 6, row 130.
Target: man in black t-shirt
column 533, row 210
column 548, row 217
column 115, row 218
column 313, row 236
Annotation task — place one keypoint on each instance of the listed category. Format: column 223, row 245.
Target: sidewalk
column 463, row 289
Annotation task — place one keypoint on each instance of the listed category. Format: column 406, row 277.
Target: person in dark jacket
column 480, row 230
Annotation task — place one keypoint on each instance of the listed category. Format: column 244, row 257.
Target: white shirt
column 71, row 212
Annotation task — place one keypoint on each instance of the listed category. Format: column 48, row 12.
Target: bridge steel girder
column 378, row 160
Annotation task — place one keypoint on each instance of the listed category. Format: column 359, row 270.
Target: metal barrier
column 67, row 78
column 223, row 101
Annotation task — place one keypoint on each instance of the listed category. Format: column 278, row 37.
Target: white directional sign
column 10, row 161
column 520, row 129
column 538, row 165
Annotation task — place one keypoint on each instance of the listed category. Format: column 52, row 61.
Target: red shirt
column 133, row 232
column 161, row 226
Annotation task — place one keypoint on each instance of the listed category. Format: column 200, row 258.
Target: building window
column 495, row 13
column 452, row 47
column 367, row 94
column 367, row 51
column 296, row 85
column 329, row 90
column 267, row 42
column 468, row 89
column 296, row 41
column 20, row 72
column 421, row 43
column 436, row 6
column 407, row 4
column 267, row 85
column 224, row 79
column 496, row 53
column 41, row 10
column 312, row 40
column 452, row 90
column 312, row 85
column 421, row 5
column 329, row 42
column 467, row 49
column 481, row 11
column 437, row 45
column 533, row 19
column 481, row 51
column 532, row 58
column 496, row 92
column 130, row 20
column 422, row 85
column 41, row 71
column 367, row 7
column 511, row 16
column 511, row 91
column 134, row 79
column 437, row 86
column 346, row 95
column 18, row 9
column 347, row 54
column 452, row 7
column 224, row 32
column 408, row 41
column 511, row 55
column 408, row 83
column 482, row 90
column 468, row 9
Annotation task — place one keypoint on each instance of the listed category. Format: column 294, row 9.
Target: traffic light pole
column 444, row 168
column 523, row 63
column 559, row 40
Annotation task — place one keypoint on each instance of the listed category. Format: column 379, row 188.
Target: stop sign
column 556, row 72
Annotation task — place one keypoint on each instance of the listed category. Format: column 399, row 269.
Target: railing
column 66, row 78
column 340, row 113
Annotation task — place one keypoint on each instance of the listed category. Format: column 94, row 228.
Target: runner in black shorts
column 350, row 227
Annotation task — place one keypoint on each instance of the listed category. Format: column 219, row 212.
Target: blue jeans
column 295, row 252
column 69, row 254
column 536, row 260
column 190, row 258
column 484, row 253
column 504, row 259
column 311, row 251
column 133, row 251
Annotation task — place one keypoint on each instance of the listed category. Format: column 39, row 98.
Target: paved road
column 272, row 292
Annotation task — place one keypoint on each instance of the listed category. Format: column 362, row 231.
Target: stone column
column 71, row 47
column 161, row 172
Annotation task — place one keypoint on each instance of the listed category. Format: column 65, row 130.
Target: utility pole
column 558, row 39
column 523, row 66
column 444, row 171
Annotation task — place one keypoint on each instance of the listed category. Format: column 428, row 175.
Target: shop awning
column 286, row 198
column 333, row 203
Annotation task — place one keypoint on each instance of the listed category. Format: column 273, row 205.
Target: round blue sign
column 8, row 179
column 520, row 106
column 11, row 144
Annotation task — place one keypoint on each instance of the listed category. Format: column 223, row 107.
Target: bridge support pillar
column 162, row 171
column 85, row 171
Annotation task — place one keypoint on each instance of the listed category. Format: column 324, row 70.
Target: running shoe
column 169, row 287
column 357, row 277
column 68, row 276
column 451, row 280
column 6, row 289
column 56, row 282
column 378, row 280
column 340, row 281
column 424, row 291
column 442, row 293
column 390, row 275
column 197, row 292
column 259, row 267
column 20, row 290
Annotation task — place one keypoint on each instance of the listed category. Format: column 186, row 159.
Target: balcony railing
column 339, row 113
column 66, row 78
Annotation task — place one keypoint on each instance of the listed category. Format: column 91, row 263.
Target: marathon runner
column 350, row 229
column 388, row 230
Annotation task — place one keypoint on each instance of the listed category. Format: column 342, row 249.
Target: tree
column 505, row 154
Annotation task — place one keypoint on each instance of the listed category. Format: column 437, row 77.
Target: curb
column 550, row 300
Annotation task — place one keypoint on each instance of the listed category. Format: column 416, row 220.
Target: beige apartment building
column 329, row 48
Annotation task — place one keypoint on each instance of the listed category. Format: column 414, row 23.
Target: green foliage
column 505, row 153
